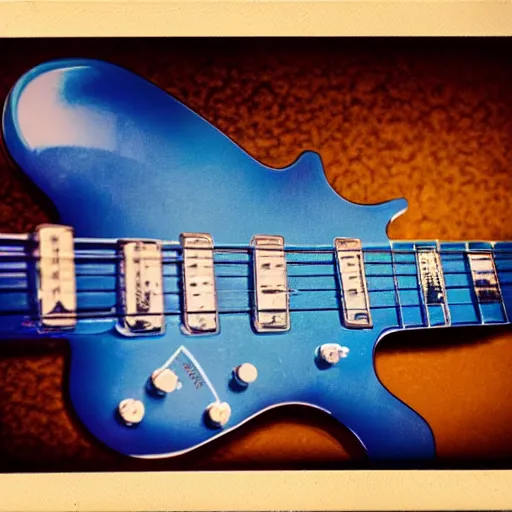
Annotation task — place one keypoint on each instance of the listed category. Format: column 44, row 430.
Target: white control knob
column 218, row 413
column 131, row 411
column 246, row 373
column 332, row 352
column 165, row 381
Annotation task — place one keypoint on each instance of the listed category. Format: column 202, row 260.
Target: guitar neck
column 453, row 283
column 417, row 284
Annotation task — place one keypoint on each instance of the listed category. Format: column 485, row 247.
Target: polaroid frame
column 262, row 490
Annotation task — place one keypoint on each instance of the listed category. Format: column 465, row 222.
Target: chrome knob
column 131, row 411
column 218, row 413
column 331, row 353
column 246, row 373
column 165, row 381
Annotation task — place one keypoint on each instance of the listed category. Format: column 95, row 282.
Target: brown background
column 429, row 120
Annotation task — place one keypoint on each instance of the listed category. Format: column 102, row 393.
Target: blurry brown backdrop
column 429, row 120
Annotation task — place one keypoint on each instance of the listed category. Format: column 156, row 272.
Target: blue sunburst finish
column 119, row 157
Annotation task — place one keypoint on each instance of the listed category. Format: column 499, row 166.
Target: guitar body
column 118, row 157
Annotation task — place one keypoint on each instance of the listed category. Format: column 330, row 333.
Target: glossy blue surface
column 121, row 158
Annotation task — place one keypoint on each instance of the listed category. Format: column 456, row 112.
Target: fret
column 408, row 290
column 200, row 310
column 396, row 289
column 271, row 310
column 459, row 286
column 352, row 278
column 503, row 265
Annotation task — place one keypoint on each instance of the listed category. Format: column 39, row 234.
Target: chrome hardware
column 485, row 280
column 141, row 287
column 246, row 373
column 350, row 266
column 431, row 278
column 200, row 314
column 131, row 411
column 271, row 312
column 55, row 260
column 332, row 353
column 165, row 381
column 218, row 414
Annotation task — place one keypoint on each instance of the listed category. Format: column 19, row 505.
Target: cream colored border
column 325, row 490
column 329, row 490
column 254, row 18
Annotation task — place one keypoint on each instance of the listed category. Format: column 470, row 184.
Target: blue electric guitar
column 199, row 288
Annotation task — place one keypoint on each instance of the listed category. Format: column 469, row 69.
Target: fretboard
column 418, row 284
column 451, row 283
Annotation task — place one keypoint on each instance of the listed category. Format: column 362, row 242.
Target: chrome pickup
column 271, row 309
column 352, row 278
column 431, row 276
column 200, row 314
column 55, row 263
column 485, row 280
column 141, row 288
column 431, row 279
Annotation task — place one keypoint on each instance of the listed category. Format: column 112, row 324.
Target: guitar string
column 242, row 250
column 113, row 244
column 17, row 273
column 22, row 258
column 107, row 312
column 241, row 262
column 103, row 314
column 292, row 291
column 176, row 261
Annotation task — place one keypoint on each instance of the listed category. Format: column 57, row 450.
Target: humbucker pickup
column 141, row 288
column 271, row 309
column 55, row 261
column 200, row 313
column 352, row 278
